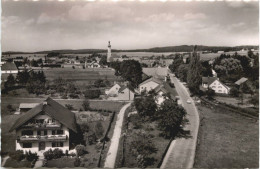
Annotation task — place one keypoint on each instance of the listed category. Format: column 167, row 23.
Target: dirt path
column 4, row 160
column 112, row 152
column 181, row 153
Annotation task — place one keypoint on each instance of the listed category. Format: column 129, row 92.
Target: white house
column 113, row 91
column 149, row 84
column 162, row 90
column 215, row 84
column 46, row 126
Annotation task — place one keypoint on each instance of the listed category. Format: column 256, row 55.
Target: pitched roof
column 53, row 109
column 240, row 81
column 208, row 80
column 152, row 79
column 9, row 66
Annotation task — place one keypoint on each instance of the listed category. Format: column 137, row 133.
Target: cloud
column 194, row 16
column 45, row 18
column 99, row 12
column 161, row 17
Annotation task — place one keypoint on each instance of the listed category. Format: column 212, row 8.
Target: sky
column 36, row 26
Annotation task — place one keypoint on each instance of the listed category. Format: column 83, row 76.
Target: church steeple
column 109, row 59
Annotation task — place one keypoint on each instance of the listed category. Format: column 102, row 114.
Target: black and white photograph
column 129, row 84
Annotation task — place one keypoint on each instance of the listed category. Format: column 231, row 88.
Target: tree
column 22, row 77
column 35, row 87
column 176, row 63
column 143, row 147
column 182, row 72
column 146, row 106
column 10, row 82
column 194, row 77
column 210, row 93
column 170, row 117
column 131, row 70
column 99, row 83
column 234, row 92
column 86, row 105
column 206, row 69
column 103, row 60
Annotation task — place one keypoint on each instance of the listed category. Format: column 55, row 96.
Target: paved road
column 112, row 152
column 181, row 153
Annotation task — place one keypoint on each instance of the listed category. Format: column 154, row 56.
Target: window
column 27, row 145
column 213, row 86
column 57, row 144
column 38, row 132
column 60, row 132
column 27, row 132
column 45, row 132
column 220, row 87
column 53, row 132
column 220, row 91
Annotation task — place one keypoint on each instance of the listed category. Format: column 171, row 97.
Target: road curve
column 181, row 153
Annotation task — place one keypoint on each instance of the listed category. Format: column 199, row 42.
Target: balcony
column 22, row 139
column 42, row 126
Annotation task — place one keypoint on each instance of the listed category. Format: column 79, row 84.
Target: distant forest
column 182, row 48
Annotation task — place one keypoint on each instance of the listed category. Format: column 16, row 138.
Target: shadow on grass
column 184, row 134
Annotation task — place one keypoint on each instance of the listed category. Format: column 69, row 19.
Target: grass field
column 226, row 140
column 80, row 75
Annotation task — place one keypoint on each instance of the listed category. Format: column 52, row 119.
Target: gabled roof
column 209, row 80
column 54, row 110
column 240, row 81
column 9, row 66
column 152, row 79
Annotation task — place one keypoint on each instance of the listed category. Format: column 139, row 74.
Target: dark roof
column 9, row 66
column 54, row 110
column 208, row 80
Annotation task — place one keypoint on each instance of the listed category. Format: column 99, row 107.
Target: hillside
column 182, row 48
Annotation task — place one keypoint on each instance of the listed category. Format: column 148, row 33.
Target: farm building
column 24, row 107
column 149, row 84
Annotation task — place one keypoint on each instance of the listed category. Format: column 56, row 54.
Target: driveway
column 112, row 152
column 181, row 153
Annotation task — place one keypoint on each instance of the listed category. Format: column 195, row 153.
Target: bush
column 67, row 153
column 234, row 92
column 31, row 156
column 74, row 96
column 64, row 97
column 69, row 106
column 81, row 150
column 10, row 107
column 99, row 130
column 85, row 105
column 53, row 154
column 77, row 162
column 92, row 94
column 17, row 155
column 72, row 154
column 105, row 113
column 57, row 153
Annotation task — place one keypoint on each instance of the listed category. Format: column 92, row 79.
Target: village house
column 46, row 126
column 241, row 81
column 24, row 107
column 9, row 68
column 161, row 92
column 215, row 84
column 113, row 91
column 149, row 84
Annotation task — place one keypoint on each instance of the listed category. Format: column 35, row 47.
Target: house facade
column 9, row 68
column 46, row 126
column 215, row 84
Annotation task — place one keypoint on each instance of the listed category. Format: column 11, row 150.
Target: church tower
column 109, row 59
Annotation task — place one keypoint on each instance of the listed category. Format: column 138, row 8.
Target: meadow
column 226, row 140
